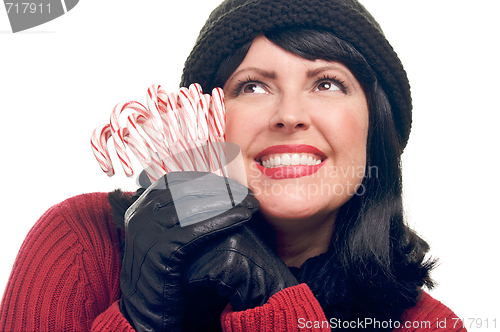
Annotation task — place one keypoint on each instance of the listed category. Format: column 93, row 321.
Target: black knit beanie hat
column 235, row 22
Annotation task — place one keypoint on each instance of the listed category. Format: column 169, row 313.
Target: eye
column 327, row 86
column 249, row 86
column 252, row 88
column 328, row 83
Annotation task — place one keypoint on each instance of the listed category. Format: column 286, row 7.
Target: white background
column 58, row 81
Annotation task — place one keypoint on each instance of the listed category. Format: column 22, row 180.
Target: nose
column 291, row 115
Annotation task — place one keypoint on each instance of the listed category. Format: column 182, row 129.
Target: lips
column 290, row 161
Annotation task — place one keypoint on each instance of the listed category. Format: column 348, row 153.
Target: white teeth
column 286, row 159
column 277, row 161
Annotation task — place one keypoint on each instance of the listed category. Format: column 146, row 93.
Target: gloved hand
column 156, row 245
column 241, row 267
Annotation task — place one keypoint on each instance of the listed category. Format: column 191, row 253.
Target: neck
column 297, row 244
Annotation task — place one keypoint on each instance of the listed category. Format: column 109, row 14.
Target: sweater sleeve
column 292, row 309
column 65, row 277
column 430, row 315
column 112, row 320
column 296, row 309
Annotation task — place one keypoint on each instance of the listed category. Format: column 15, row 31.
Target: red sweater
column 66, row 278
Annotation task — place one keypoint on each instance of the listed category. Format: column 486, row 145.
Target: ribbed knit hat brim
column 235, row 22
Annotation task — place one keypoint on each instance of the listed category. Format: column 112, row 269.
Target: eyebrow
column 272, row 74
column 265, row 73
column 317, row 71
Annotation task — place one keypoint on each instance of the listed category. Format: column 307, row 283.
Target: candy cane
column 123, row 106
column 151, row 163
column 187, row 121
column 216, row 125
column 178, row 131
column 118, row 138
column 155, row 117
column 219, row 113
column 203, row 110
column 189, row 125
column 99, row 143
column 176, row 141
column 134, row 121
column 137, row 138
column 169, row 115
column 121, row 151
column 174, row 156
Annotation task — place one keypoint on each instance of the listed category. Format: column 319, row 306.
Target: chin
column 295, row 207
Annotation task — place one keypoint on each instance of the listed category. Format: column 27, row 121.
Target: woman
column 320, row 237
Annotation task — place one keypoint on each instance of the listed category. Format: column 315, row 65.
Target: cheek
column 241, row 126
column 347, row 132
column 233, row 123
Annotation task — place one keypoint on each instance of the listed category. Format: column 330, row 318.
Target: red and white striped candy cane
column 216, row 128
column 134, row 121
column 170, row 117
column 137, row 138
column 213, row 164
column 151, row 163
column 218, row 117
column 99, row 143
column 176, row 141
column 118, row 138
column 146, row 125
column 171, row 134
column 168, row 112
column 123, row 106
column 154, row 111
column 187, row 114
column 189, row 126
column 121, row 151
column 202, row 102
column 162, row 102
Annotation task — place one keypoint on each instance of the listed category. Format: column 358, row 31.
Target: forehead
column 272, row 61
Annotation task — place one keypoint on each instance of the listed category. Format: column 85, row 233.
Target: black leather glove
column 156, row 245
column 241, row 268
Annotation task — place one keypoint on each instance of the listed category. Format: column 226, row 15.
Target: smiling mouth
column 289, row 159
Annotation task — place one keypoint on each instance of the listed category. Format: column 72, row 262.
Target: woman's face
column 302, row 128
